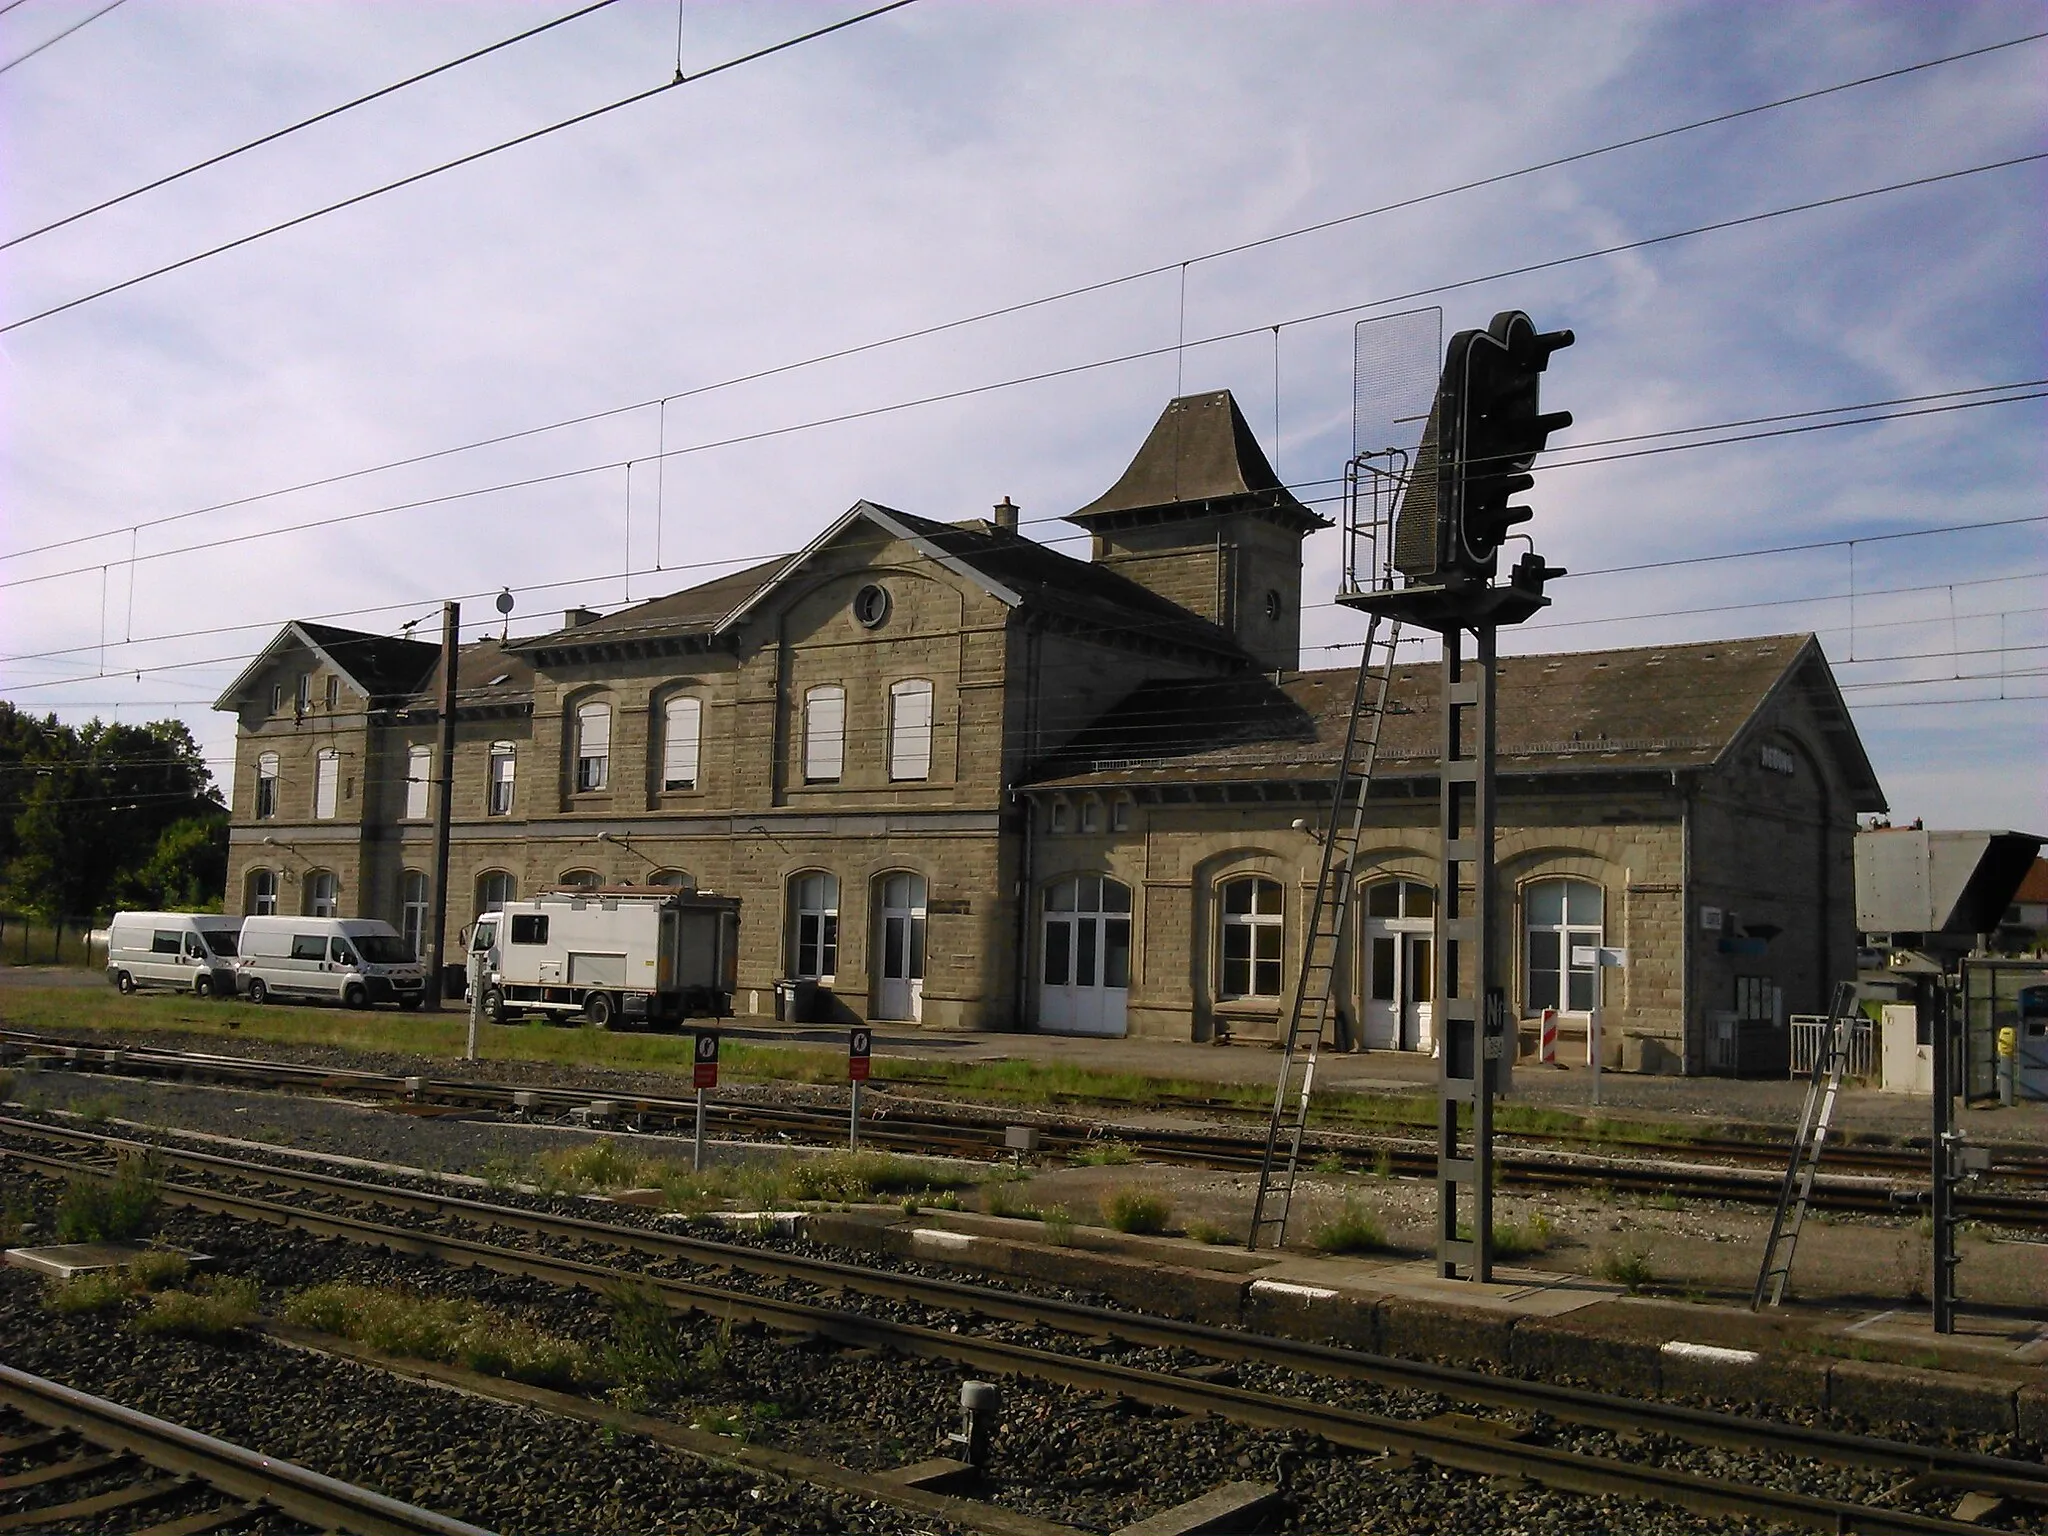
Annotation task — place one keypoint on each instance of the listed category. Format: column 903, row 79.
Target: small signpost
column 704, row 1073
column 1603, row 956
column 859, row 1043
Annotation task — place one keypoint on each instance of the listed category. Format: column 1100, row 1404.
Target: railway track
column 75, row 1457
column 1445, row 1440
column 1869, row 1181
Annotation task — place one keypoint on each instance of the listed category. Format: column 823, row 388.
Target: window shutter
column 910, row 734
column 681, row 735
column 824, row 734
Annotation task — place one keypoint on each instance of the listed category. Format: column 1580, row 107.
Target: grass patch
column 96, row 1210
column 1059, row 1226
column 98, row 1290
column 1521, row 1239
column 217, row 1307
column 1003, row 1200
column 157, row 1270
column 452, row 1331
column 1136, row 1210
column 845, row 1177
column 1628, row 1268
column 1353, row 1230
column 1213, row 1233
column 1103, row 1154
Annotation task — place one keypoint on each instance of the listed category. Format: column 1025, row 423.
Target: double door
column 899, row 983
column 1084, row 956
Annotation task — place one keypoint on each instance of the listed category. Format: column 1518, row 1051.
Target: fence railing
column 28, row 940
column 1808, row 1030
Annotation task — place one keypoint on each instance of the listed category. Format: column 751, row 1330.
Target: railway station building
column 961, row 780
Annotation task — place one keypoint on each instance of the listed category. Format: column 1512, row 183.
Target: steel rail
column 319, row 1500
column 929, row 1132
column 1579, row 1405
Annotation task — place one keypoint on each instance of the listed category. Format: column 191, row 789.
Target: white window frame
column 266, row 786
column 593, row 747
column 824, row 734
column 262, row 898
column 302, row 699
column 323, row 894
column 910, row 729
column 1568, row 933
column 814, row 925
column 419, row 770
column 326, row 783
column 412, row 910
column 682, row 741
column 495, row 887
column 501, row 775
column 1264, row 938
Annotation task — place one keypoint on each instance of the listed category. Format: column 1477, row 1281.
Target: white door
column 1396, row 946
column 1085, row 957
column 899, row 991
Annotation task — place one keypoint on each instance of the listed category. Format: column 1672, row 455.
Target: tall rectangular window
column 412, row 912
column 824, row 734
column 266, row 786
column 333, row 693
column 910, row 729
column 814, row 899
column 503, row 766
column 303, row 699
column 593, row 746
column 262, row 893
column 682, row 721
column 326, row 784
column 1252, row 937
column 417, row 771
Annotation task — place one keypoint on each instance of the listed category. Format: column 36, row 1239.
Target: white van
column 189, row 951
column 353, row 960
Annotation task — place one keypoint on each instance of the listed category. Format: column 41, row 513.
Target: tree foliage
column 103, row 815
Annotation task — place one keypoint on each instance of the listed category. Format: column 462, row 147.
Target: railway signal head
column 1502, row 427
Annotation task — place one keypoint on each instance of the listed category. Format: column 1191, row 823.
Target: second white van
column 355, row 961
column 189, row 951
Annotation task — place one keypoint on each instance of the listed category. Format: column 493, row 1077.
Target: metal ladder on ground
column 1822, row 1086
column 1308, row 1019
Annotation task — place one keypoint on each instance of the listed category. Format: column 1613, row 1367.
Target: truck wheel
column 202, row 986
column 259, row 994
column 124, row 981
column 493, row 1005
column 356, row 995
column 600, row 1010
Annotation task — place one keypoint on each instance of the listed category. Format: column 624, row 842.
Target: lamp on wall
column 622, row 840
column 1300, row 824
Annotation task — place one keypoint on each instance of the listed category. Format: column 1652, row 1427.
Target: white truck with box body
column 639, row 955
column 356, row 961
column 190, row 951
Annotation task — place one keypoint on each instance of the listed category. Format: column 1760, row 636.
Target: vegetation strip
column 1477, row 1452
column 969, row 1514
column 321, row 1501
column 1578, row 1405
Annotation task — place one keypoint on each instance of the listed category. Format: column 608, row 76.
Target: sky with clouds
column 959, row 156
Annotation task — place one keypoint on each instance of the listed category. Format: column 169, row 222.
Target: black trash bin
column 796, row 1000
column 454, row 980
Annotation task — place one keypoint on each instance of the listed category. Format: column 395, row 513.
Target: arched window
column 1252, row 937
column 417, row 772
column 498, row 794
column 1399, row 898
column 824, row 734
column 1558, row 917
column 814, row 925
column 910, row 729
column 587, row 878
column 322, row 898
column 262, row 898
column 673, row 879
column 266, row 786
column 682, row 724
column 593, row 747
column 494, row 888
column 412, row 911
column 326, row 783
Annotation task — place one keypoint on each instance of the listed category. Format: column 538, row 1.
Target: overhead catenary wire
column 448, row 165
column 1063, row 295
column 23, row 58
column 303, row 123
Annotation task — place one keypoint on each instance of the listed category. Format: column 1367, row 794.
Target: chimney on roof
column 576, row 618
column 1006, row 515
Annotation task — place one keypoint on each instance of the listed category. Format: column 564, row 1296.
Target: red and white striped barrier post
column 1548, row 1054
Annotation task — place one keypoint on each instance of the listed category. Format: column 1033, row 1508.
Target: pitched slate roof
column 380, row 666
column 1200, row 456
column 487, row 673
column 698, row 610
column 1657, row 707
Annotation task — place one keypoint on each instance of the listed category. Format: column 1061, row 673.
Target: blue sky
column 953, row 157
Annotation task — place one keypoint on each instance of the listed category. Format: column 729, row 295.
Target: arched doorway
column 1085, row 956
column 899, row 933
column 1396, row 954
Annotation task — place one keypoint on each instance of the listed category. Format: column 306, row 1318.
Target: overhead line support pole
column 444, row 806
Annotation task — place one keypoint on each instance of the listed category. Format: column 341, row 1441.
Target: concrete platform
column 66, row 1261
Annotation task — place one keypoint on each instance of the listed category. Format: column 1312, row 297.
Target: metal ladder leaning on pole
column 1316, row 992
column 1821, row 1088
